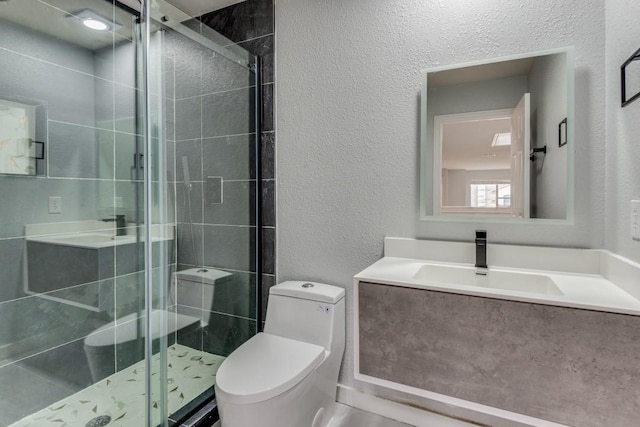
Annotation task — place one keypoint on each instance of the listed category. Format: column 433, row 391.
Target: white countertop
column 587, row 288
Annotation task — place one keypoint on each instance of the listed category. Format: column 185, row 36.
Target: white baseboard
column 217, row 424
column 394, row 410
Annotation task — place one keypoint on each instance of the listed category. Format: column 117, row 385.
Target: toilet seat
column 281, row 363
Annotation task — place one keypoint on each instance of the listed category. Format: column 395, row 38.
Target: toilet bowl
column 191, row 294
column 287, row 376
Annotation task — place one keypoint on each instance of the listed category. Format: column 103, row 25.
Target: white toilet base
column 296, row 407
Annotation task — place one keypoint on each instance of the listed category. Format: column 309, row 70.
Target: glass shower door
column 206, row 170
column 90, row 325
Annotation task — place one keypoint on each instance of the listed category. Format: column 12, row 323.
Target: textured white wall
column 347, row 96
column 623, row 130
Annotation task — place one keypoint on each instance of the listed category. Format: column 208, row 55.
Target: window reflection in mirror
column 490, row 139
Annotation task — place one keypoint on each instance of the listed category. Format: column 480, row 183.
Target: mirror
column 497, row 140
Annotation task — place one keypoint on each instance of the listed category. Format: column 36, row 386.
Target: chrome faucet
column 121, row 224
column 481, row 251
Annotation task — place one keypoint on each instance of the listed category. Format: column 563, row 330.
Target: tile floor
column 347, row 416
column 120, row 396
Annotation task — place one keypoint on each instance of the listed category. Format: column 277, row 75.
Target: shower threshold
column 120, row 398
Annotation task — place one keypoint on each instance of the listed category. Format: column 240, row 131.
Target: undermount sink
column 504, row 280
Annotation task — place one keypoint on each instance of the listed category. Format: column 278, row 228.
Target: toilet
column 191, row 294
column 287, row 375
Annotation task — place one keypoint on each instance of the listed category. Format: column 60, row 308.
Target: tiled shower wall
column 250, row 24
column 215, row 213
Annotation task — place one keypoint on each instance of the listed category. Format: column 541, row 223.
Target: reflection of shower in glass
column 186, row 205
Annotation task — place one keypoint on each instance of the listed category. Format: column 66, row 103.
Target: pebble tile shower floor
column 119, row 399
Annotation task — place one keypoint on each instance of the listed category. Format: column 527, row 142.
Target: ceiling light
column 95, row 21
column 501, row 139
column 94, row 24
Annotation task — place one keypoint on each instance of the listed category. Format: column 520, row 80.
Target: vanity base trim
column 394, row 410
column 454, row 410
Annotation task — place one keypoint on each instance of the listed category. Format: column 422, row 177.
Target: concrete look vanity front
column 564, row 352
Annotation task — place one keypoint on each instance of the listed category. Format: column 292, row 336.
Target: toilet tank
column 306, row 311
column 193, row 290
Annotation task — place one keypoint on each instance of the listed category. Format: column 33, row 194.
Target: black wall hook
column 532, row 153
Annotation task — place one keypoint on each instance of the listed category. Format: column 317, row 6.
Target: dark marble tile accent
column 570, row 366
column 267, row 107
column 230, row 157
column 11, row 260
column 237, row 207
column 268, row 204
column 263, row 47
column 268, row 69
column 268, row 155
column 268, row 281
column 268, row 250
column 242, row 21
column 192, row 150
column 229, row 247
column 228, row 113
column 188, row 116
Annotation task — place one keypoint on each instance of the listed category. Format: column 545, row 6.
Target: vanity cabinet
column 84, row 275
column 571, row 366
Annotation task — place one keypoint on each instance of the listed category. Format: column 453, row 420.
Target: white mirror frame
column 427, row 169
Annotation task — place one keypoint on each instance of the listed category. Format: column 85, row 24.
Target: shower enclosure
column 129, row 211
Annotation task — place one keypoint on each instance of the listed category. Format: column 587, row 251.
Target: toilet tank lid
column 209, row 276
column 309, row 290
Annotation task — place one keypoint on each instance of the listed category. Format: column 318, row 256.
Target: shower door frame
column 206, row 411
